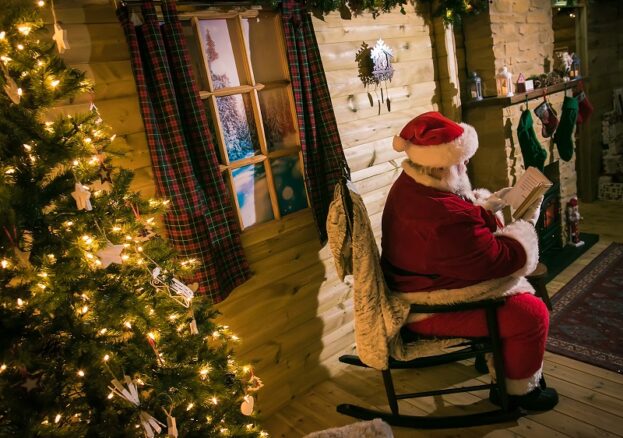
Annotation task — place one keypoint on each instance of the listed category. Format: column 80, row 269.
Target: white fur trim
column 494, row 288
column 480, row 195
column 524, row 233
column 524, row 386
column 400, row 143
column 445, row 154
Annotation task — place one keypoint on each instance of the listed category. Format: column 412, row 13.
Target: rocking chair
column 472, row 347
column 476, row 347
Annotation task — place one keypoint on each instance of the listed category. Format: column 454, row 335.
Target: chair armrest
column 458, row 307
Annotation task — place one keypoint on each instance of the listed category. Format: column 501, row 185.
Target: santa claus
column 443, row 243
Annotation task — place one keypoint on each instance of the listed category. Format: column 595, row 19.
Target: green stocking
column 533, row 154
column 564, row 134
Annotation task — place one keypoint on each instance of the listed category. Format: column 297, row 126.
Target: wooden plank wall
column 98, row 46
column 294, row 316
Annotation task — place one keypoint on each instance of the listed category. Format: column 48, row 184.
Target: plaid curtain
column 323, row 155
column 201, row 222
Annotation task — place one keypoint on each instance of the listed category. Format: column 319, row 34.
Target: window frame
column 251, row 89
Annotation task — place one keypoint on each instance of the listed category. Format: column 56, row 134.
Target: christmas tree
column 99, row 334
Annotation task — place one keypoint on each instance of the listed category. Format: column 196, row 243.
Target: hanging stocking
column 533, row 153
column 585, row 108
column 548, row 117
column 564, row 134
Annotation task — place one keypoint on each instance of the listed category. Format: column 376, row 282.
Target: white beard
column 453, row 179
column 457, row 180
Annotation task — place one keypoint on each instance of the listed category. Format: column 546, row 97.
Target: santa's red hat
column 433, row 140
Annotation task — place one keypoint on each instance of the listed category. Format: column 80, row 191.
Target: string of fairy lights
column 98, row 253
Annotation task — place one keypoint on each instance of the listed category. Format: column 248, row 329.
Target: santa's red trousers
column 523, row 323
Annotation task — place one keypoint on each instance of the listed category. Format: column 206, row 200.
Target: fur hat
column 432, row 140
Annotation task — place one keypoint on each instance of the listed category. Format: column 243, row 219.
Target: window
column 240, row 64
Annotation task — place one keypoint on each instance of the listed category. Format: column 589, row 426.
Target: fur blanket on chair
column 379, row 314
column 376, row 428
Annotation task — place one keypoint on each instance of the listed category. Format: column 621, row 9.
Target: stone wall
column 517, row 34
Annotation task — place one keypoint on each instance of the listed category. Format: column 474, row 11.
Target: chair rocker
column 475, row 347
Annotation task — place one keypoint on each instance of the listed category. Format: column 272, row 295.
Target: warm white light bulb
column 106, row 358
column 55, row 83
column 4, row 263
column 214, row 400
column 57, row 418
column 2, row 35
column 111, row 395
column 20, row 47
column 80, row 373
column 190, row 406
column 20, row 302
column 41, row 3
column 24, row 29
column 2, row 367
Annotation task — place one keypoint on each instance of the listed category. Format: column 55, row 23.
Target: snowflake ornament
column 382, row 56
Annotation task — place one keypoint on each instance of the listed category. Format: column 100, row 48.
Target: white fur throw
column 376, row 428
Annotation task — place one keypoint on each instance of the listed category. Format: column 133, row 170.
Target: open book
column 529, row 188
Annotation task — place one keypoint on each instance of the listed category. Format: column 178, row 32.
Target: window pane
column 252, row 193
column 289, row 184
column 263, row 47
column 217, row 39
column 239, row 129
column 277, row 116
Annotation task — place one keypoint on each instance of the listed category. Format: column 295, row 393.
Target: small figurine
column 573, row 222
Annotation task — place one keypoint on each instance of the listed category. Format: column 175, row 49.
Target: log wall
column 294, row 315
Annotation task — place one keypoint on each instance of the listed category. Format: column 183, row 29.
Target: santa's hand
column 502, row 192
column 533, row 212
column 493, row 203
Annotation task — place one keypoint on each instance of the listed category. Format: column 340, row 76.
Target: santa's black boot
column 539, row 399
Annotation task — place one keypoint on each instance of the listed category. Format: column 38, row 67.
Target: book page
column 531, row 179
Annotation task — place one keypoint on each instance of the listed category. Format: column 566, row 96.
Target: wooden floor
column 591, row 398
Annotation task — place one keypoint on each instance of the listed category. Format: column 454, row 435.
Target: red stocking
column 585, row 107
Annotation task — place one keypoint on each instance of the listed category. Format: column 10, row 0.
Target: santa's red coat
column 435, row 240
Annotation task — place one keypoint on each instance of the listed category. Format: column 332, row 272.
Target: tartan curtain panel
column 323, row 156
column 201, row 222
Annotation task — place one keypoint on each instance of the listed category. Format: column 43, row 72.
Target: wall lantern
column 475, row 86
column 504, row 81
column 574, row 71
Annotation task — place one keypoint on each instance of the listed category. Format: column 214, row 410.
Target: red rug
column 587, row 321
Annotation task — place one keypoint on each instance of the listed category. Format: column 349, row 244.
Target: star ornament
column 100, row 185
column 82, row 195
column 60, row 37
column 110, row 254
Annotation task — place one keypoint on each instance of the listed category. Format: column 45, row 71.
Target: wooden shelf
column 522, row 97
